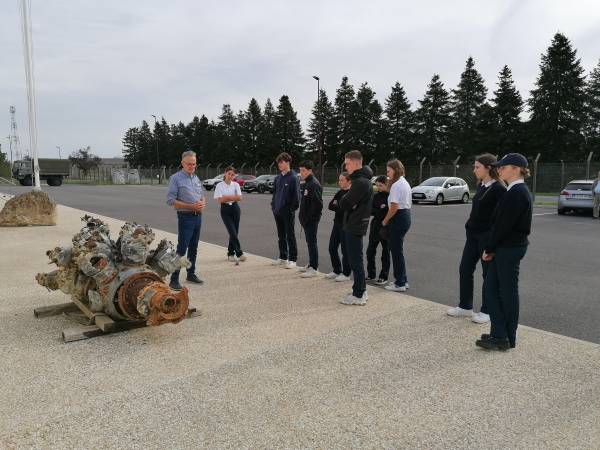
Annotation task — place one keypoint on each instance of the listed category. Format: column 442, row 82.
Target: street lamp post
column 157, row 159
column 58, row 147
column 319, row 124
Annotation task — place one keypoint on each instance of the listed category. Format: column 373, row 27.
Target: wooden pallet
column 99, row 324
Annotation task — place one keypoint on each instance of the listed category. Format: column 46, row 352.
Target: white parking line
column 545, row 214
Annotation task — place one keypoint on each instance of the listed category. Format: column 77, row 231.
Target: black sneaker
column 175, row 285
column 370, row 278
column 193, row 278
column 485, row 337
column 493, row 343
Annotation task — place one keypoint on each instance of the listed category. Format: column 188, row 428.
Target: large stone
column 31, row 208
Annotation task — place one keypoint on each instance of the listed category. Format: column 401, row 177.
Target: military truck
column 52, row 170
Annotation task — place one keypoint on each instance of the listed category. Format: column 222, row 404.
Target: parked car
column 212, row 182
column 576, row 196
column 441, row 189
column 241, row 179
column 262, row 184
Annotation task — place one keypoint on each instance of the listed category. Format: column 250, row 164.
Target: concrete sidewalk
column 276, row 362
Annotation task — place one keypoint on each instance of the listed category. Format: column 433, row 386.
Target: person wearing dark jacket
column 341, row 269
column 285, row 202
column 489, row 192
column 356, row 205
column 504, row 249
column 311, row 208
column 379, row 211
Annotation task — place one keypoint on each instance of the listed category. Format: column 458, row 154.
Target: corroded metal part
column 122, row 279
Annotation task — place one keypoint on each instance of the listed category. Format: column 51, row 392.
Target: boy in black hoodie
column 356, row 205
column 311, row 208
column 379, row 211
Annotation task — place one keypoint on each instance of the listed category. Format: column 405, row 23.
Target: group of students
column 496, row 231
column 353, row 206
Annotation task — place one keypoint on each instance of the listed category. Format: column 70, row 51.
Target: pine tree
column 592, row 122
column 321, row 131
column 288, row 131
column 508, row 106
column 467, row 102
column 399, row 123
column 557, row 104
column 250, row 127
column 433, row 121
column 146, row 146
column 344, row 121
column 131, row 150
column 162, row 135
column 179, row 144
column 268, row 148
column 227, row 137
column 368, row 128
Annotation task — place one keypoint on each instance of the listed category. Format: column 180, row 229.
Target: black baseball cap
column 512, row 159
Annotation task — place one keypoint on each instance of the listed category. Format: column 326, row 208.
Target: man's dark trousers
column 310, row 231
column 231, row 218
column 188, row 235
column 471, row 256
column 374, row 240
column 288, row 250
column 398, row 227
column 354, row 245
column 336, row 240
column 502, row 292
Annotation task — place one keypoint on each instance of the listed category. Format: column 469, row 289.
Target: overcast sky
column 102, row 67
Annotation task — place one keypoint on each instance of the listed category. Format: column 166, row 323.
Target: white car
column 441, row 189
column 210, row 183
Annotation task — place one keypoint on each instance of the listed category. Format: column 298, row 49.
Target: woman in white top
column 397, row 222
column 229, row 194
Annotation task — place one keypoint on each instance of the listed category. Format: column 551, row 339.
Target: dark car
column 261, row 184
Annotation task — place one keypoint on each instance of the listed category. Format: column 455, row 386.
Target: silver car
column 441, row 189
column 576, row 196
column 211, row 183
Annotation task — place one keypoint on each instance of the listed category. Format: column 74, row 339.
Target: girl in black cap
column 506, row 246
column 489, row 192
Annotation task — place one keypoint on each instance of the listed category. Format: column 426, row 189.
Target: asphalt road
column 559, row 275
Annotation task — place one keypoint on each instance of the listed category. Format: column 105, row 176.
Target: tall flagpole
column 30, row 79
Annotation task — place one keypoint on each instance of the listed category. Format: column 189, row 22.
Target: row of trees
column 563, row 107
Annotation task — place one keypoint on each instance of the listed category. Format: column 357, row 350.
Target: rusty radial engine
column 122, row 279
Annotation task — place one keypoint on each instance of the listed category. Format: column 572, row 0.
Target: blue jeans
column 288, row 249
column 354, row 245
column 336, row 240
column 398, row 227
column 501, row 287
column 231, row 218
column 470, row 257
column 188, row 226
column 310, row 231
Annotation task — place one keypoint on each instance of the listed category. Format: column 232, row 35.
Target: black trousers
column 471, row 255
column 310, row 231
column 354, row 245
column 501, row 287
column 288, row 250
column 336, row 240
column 231, row 218
column 374, row 241
column 398, row 227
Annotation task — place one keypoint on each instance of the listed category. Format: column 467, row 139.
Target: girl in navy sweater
column 490, row 190
column 504, row 249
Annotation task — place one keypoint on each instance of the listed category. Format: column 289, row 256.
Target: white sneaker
column 393, row 283
column 459, row 312
column 381, row 282
column 352, row 300
column 480, row 317
column 242, row 258
column 309, row 273
column 231, row 258
column 331, row 275
column 291, row 265
column 303, row 268
column 392, row 287
column 278, row 262
column 341, row 277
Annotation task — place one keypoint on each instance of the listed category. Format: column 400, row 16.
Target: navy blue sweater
column 511, row 222
column 286, row 193
column 485, row 201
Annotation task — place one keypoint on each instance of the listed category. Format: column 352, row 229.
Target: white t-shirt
column 401, row 194
column 223, row 189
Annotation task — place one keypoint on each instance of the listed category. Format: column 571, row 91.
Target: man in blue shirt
column 185, row 195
